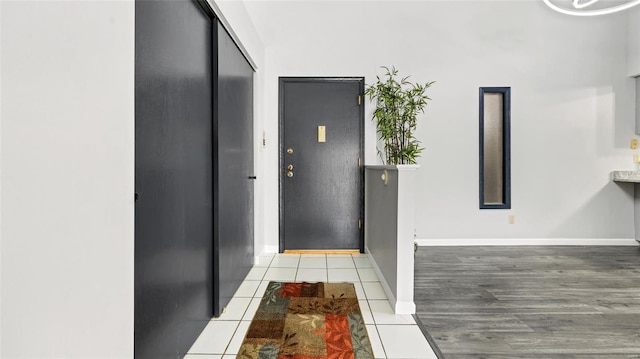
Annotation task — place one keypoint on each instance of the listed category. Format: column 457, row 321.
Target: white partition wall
column 389, row 230
column 633, row 41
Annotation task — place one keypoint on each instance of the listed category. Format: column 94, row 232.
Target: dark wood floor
column 530, row 302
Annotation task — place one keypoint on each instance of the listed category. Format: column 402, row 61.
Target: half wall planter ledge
column 389, row 230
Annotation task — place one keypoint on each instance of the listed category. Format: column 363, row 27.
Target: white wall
column 633, row 41
column 67, row 176
column 233, row 14
column 572, row 105
column 633, row 56
column 1, row 180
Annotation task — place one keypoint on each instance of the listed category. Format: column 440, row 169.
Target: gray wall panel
column 381, row 222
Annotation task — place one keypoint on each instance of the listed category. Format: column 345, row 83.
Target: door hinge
column 359, row 223
column 359, row 161
column 359, row 100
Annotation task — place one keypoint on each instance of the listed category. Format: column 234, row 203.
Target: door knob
column 290, row 167
column 289, row 174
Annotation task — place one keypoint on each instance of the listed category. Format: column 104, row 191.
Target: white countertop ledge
column 626, row 176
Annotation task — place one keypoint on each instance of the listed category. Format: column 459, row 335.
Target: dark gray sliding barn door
column 174, row 180
column 234, row 177
column 194, row 174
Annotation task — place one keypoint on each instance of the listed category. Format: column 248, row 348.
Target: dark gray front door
column 321, row 176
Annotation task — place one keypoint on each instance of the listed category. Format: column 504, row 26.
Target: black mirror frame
column 506, row 92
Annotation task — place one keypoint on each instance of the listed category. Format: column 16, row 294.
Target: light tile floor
column 392, row 336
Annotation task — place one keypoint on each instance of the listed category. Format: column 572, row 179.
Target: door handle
column 253, row 177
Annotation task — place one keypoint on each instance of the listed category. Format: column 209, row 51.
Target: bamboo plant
column 398, row 103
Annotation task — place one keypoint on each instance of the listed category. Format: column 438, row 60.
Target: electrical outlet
column 634, row 144
column 512, row 219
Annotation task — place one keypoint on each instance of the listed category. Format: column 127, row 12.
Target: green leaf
column 397, row 107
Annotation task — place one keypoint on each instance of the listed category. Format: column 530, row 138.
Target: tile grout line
column 230, row 340
column 247, row 308
column 357, row 271
column 256, row 291
column 375, row 325
column 380, row 340
column 326, row 265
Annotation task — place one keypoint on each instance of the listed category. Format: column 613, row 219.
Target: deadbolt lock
column 289, row 174
column 289, row 150
column 290, row 167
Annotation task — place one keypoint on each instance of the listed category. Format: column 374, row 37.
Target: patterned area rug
column 307, row 321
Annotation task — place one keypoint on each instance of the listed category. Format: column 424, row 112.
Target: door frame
column 281, row 82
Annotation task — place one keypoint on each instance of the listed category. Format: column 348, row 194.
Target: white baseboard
column 270, row 249
column 405, row 307
column 398, row 307
column 528, row 242
column 265, row 250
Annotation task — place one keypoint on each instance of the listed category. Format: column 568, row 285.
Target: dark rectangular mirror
column 495, row 158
